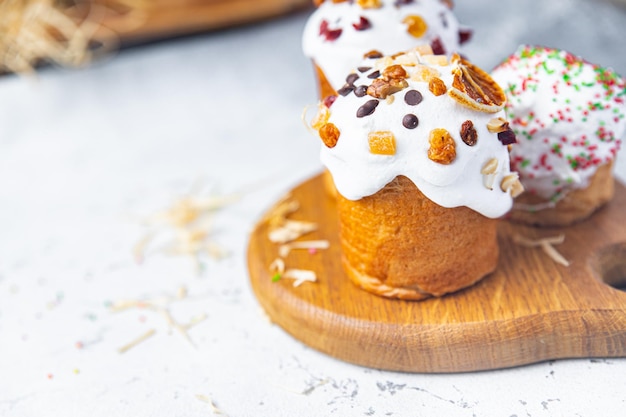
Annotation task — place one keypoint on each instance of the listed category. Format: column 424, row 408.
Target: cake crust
column 576, row 206
column 399, row 244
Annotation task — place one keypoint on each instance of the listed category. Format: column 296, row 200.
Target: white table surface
column 85, row 154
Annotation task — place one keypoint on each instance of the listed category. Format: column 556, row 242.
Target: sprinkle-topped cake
column 339, row 33
column 569, row 117
column 418, row 148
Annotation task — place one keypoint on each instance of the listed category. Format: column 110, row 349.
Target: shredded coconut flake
column 546, row 244
column 300, row 276
column 284, row 250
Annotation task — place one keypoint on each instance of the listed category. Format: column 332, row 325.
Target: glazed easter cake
column 568, row 115
column 339, row 33
column 419, row 152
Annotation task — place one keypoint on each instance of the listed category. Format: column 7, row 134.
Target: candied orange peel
column 382, row 143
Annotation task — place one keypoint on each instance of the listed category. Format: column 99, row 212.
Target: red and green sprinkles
column 598, row 119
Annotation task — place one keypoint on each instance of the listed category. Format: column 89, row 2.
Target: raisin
column 442, row 147
column 468, row 133
column 507, row 137
column 329, row 133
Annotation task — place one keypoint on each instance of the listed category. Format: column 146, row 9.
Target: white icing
column 387, row 34
column 556, row 107
column 358, row 173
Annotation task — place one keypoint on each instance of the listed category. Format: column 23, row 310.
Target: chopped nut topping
column 440, row 60
column 437, row 86
column 468, row 133
column 329, row 133
column 497, row 125
column 489, row 171
column 416, row 26
column 410, row 60
column 394, row 72
column 511, row 184
column 442, row 147
column 490, row 167
column 474, row 88
column 381, row 88
column 382, row 143
column 424, row 49
column 424, row 73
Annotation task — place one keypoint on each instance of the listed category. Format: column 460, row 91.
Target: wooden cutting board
column 132, row 21
column 530, row 309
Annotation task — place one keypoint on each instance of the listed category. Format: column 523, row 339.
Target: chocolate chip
column 364, row 69
column 350, row 79
column 345, row 90
column 374, row 75
column 410, row 121
column 507, row 137
column 367, row 109
column 360, row 91
column 413, row 97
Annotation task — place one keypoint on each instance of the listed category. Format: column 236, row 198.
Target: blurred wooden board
column 142, row 20
column 530, row 309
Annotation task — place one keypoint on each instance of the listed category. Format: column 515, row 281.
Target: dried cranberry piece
column 465, row 35
column 363, row 24
column 329, row 100
column 507, row 137
column 327, row 33
column 437, row 46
